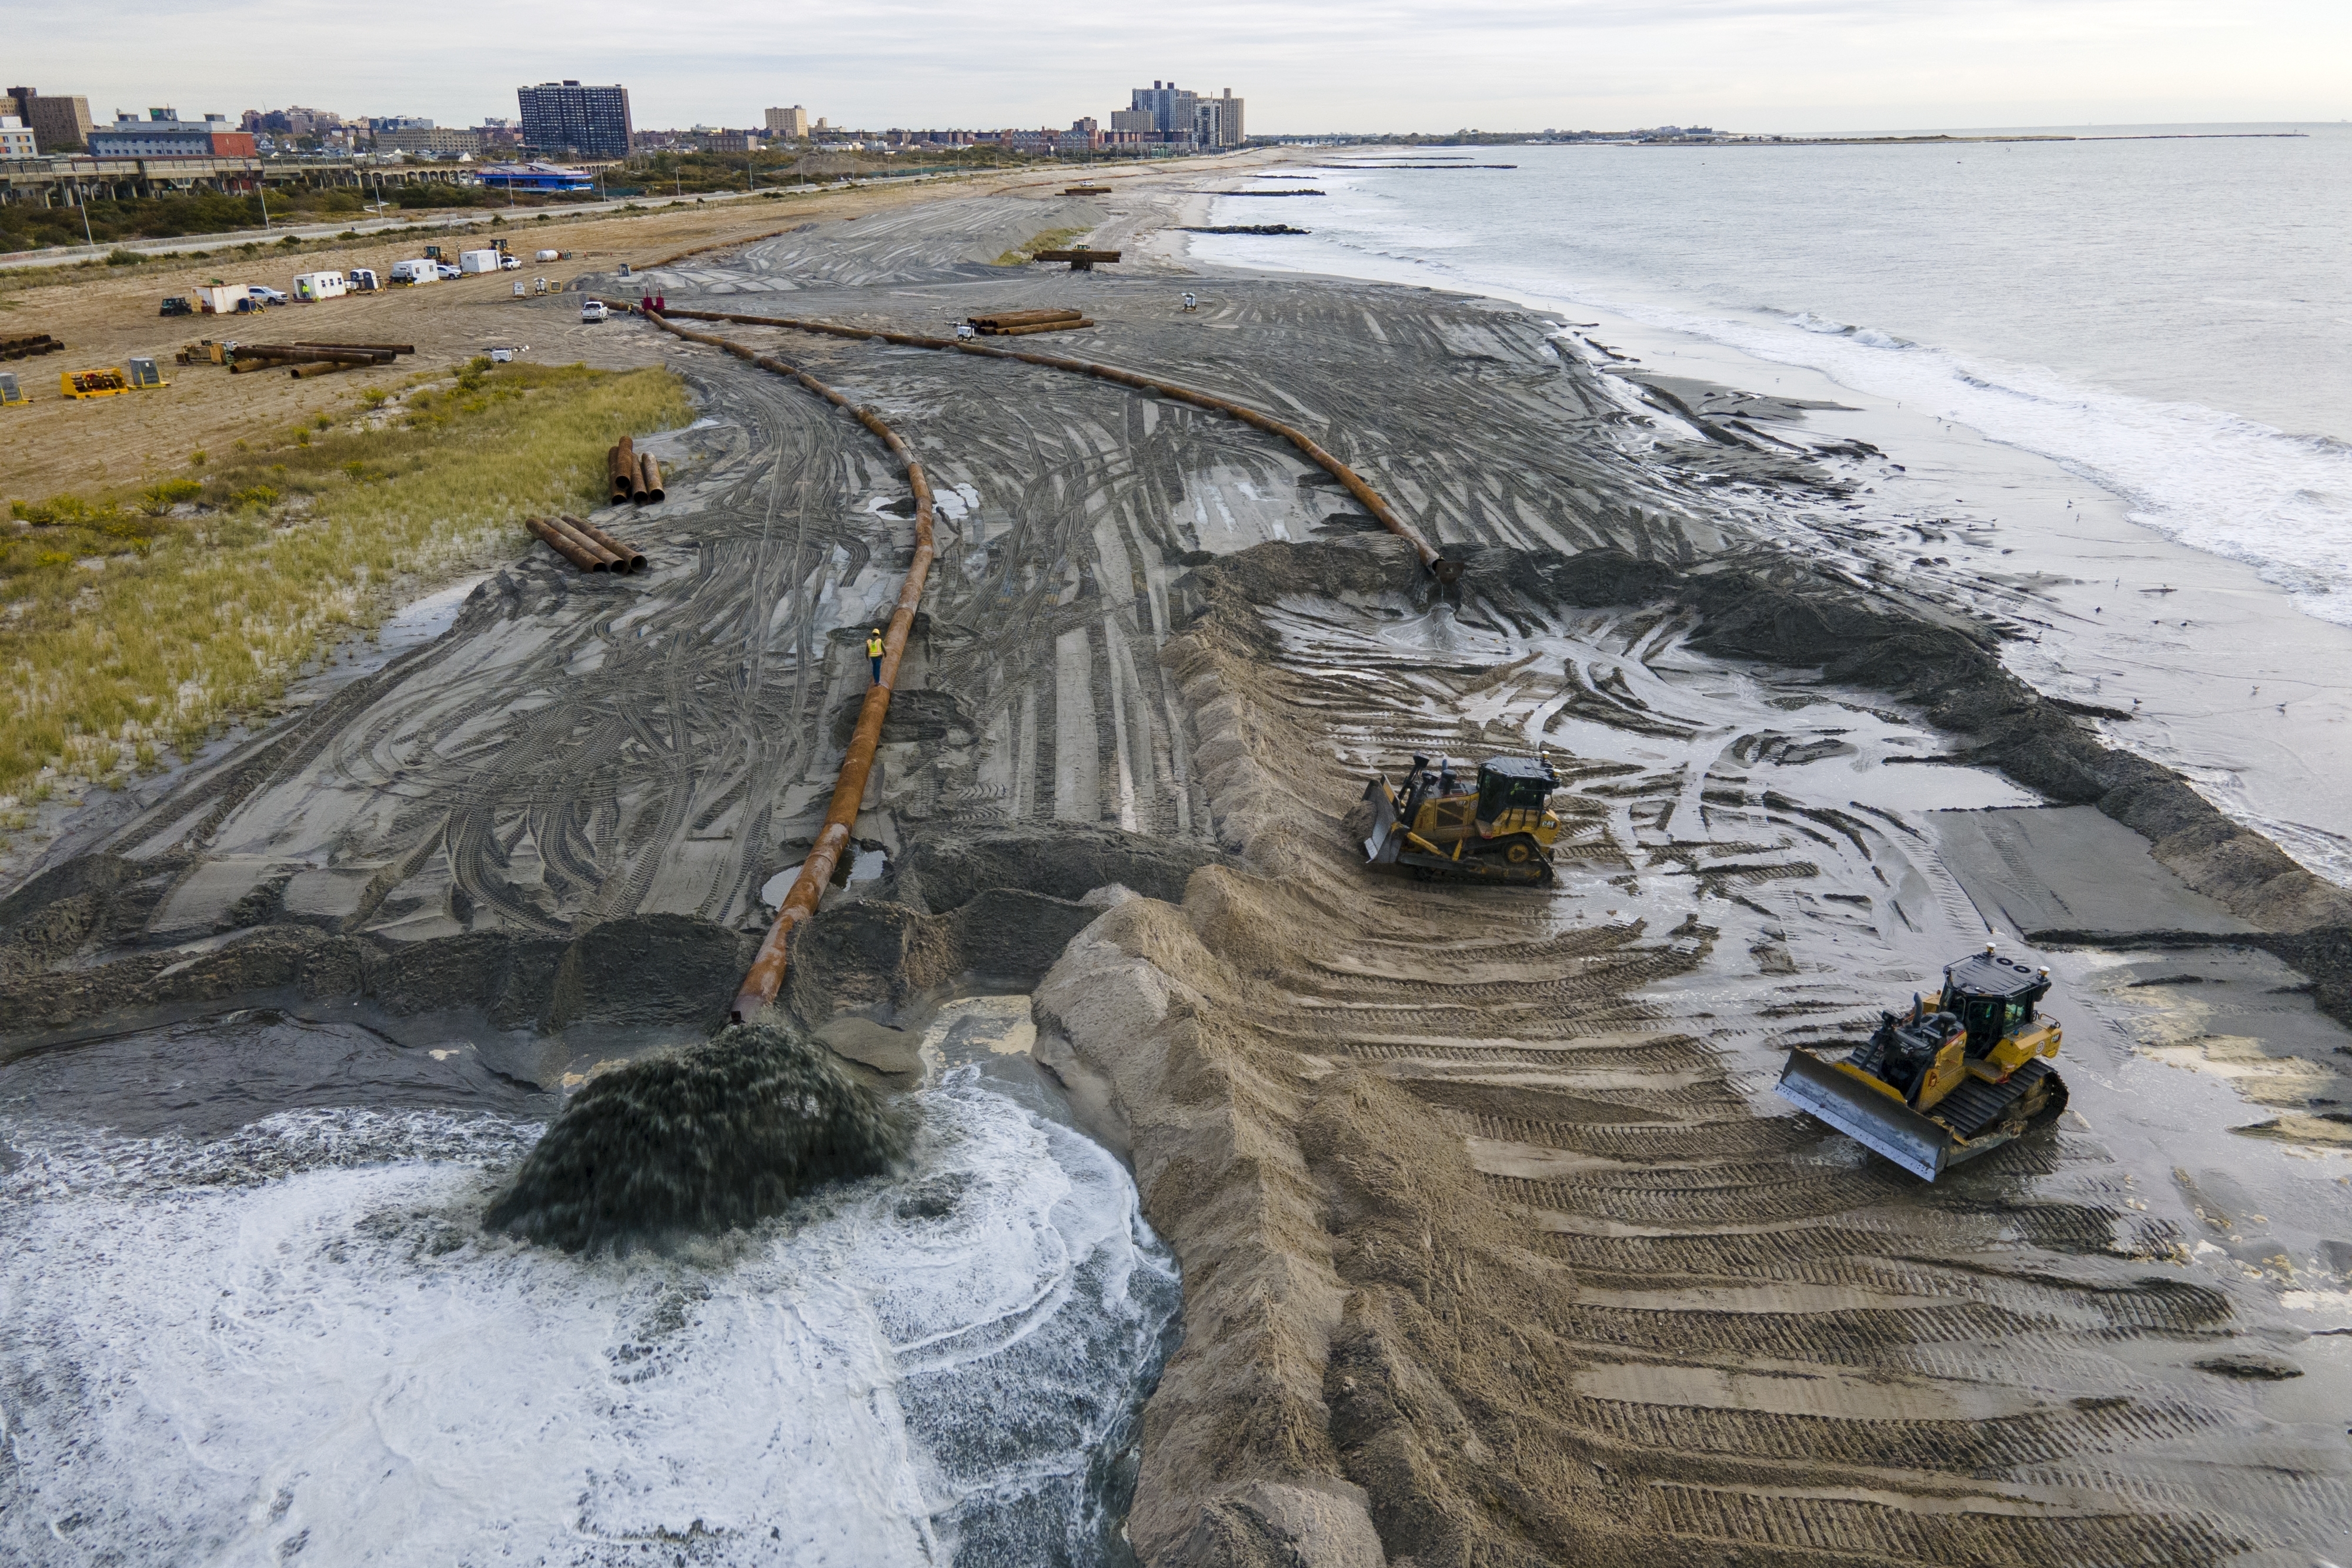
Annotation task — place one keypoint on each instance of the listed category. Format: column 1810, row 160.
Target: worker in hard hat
column 873, row 652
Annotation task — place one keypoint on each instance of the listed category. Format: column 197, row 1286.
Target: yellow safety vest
column 874, row 647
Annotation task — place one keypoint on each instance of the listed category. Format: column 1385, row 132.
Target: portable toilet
column 10, row 392
column 144, row 375
column 478, row 261
column 362, row 281
column 314, row 287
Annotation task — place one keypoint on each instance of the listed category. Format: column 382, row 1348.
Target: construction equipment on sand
column 94, row 383
column 1080, row 258
column 1946, row 1083
column 1498, row 830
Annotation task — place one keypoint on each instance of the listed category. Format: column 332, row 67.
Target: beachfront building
column 61, row 124
column 163, row 134
column 578, row 121
column 1165, row 112
column 545, row 177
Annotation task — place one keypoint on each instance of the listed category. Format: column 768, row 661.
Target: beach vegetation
column 1052, row 239
column 135, row 624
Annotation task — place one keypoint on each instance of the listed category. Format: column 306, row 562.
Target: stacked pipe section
column 307, row 359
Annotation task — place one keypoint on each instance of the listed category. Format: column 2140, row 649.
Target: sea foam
column 240, row 1351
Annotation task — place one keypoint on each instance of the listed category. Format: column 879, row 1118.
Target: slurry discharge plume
column 705, row 1139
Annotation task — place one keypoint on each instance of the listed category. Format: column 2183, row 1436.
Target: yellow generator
column 1498, row 828
column 1946, row 1083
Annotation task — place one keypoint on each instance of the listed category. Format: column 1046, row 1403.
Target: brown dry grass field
column 53, row 445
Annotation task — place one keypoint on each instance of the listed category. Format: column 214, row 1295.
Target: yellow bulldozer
column 1949, row 1081
column 1497, row 828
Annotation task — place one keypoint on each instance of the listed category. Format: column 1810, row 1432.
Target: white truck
column 312, row 287
column 414, row 272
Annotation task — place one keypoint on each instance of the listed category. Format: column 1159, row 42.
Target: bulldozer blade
column 1380, row 849
column 1873, row 1120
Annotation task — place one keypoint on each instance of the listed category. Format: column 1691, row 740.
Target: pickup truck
column 593, row 310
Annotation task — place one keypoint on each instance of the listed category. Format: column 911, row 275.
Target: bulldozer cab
column 1507, row 784
column 1992, row 997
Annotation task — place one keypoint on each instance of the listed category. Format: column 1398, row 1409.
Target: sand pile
column 699, row 1140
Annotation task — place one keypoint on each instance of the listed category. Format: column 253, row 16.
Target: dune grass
column 1052, row 239
column 130, row 627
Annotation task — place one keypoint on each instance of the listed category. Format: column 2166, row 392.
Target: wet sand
column 1495, row 1245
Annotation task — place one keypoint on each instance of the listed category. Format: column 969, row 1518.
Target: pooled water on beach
column 2170, row 319
column 295, row 1339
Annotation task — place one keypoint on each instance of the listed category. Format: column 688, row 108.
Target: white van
column 312, row 287
column 474, row 261
column 418, row 271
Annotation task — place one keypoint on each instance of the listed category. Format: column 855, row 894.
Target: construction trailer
column 414, row 272
column 312, row 287
column 225, row 300
column 476, row 261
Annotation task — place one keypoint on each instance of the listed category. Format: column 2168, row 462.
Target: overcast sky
column 1303, row 65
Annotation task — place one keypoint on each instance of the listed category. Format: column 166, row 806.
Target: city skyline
column 1749, row 65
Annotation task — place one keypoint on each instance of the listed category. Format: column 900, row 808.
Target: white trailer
column 219, row 299
column 478, row 261
column 312, row 287
column 418, row 271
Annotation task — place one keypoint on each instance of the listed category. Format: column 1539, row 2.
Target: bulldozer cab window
column 1498, row 793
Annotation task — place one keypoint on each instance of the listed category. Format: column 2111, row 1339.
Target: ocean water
column 2171, row 319
column 290, row 1342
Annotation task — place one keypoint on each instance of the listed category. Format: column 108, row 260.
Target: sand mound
column 701, row 1140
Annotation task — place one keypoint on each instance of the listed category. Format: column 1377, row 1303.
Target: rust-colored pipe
column 613, row 559
column 632, row 557
column 561, row 543
column 1024, row 331
column 621, row 469
column 1440, row 566
column 767, row 973
column 649, row 473
column 304, row 372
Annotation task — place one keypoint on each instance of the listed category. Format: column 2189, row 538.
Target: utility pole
column 83, row 202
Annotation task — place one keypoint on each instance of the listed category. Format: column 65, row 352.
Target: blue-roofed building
column 545, row 177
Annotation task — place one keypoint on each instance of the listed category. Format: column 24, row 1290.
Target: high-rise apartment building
column 63, row 124
column 578, row 121
column 1217, row 121
column 1170, row 106
column 789, row 124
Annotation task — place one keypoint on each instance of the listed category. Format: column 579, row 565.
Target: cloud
column 1306, row 66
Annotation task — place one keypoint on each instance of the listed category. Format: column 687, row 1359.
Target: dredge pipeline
column 1440, row 567
column 767, row 972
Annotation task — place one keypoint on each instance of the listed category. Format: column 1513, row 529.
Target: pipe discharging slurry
column 703, row 1139
column 1441, row 567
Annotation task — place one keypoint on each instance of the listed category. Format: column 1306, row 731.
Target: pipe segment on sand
column 561, row 541
column 767, row 973
column 631, row 557
column 1440, row 567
